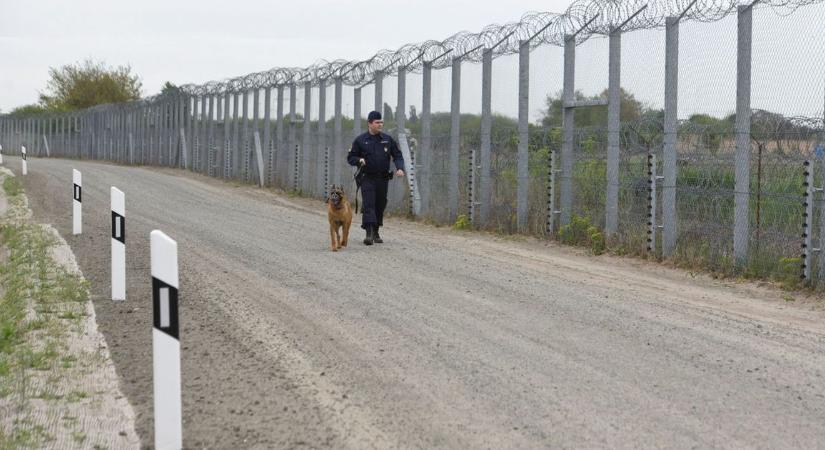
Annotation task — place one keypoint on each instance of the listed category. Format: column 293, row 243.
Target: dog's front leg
column 345, row 236
column 333, row 234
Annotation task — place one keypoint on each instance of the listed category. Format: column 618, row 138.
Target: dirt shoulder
column 59, row 386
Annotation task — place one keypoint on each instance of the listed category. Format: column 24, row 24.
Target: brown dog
column 339, row 214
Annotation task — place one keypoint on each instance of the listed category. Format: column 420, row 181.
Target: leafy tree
column 169, row 88
column 710, row 130
column 86, row 84
column 631, row 109
column 26, row 110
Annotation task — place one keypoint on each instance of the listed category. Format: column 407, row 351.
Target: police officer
column 371, row 151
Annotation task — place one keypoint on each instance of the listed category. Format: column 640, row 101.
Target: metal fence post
column 338, row 149
column 256, row 128
column 194, row 138
column 651, row 203
column 189, row 120
column 227, row 136
column 237, row 167
column 148, row 120
column 306, row 144
column 140, row 133
column 160, row 125
column 117, row 135
column 566, row 184
column 613, row 128
column 486, row 141
column 166, row 118
column 455, row 141
column 741, row 234
column 379, row 91
column 169, row 126
column 471, row 187
column 807, row 217
column 245, row 147
column 199, row 136
column 73, row 149
column 821, row 271
column 37, row 130
column 182, row 125
column 523, row 134
column 268, row 147
column 281, row 149
column 320, row 164
column 356, row 118
column 62, row 127
column 401, row 104
column 426, row 138
column 401, row 127
column 210, row 149
column 670, row 136
column 293, row 145
column 158, row 137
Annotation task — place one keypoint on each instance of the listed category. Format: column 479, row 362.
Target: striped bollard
column 1, row 154
column 24, row 163
column 77, row 205
column 118, row 244
column 166, row 342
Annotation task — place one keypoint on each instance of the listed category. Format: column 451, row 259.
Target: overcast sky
column 197, row 41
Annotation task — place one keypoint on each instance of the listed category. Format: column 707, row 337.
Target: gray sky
column 197, row 41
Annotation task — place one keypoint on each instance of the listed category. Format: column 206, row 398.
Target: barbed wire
column 583, row 19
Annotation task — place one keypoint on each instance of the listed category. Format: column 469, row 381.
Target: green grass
column 12, row 186
column 31, row 279
column 76, row 396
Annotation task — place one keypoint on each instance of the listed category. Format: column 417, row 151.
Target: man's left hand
column 399, row 173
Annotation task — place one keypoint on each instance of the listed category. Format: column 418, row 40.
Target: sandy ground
column 435, row 339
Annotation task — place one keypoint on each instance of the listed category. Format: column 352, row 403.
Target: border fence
column 688, row 130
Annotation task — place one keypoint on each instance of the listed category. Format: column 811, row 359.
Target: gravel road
column 435, row 339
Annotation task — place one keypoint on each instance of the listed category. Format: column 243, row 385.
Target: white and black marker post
column 77, row 205
column 166, row 342
column 118, row 244
column 1, row 154
column 25, row 166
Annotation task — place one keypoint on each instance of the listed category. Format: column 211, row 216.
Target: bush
column 462, row 222
column 789, row 272
column 580, row 232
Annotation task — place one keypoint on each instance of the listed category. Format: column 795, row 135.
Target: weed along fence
column 676, row 129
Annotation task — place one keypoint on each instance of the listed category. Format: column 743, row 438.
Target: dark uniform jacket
column 376, row 151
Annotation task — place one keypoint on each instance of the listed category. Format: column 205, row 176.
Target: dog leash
column 358, row 185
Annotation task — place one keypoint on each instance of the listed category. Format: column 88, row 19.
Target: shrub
column 580, row 232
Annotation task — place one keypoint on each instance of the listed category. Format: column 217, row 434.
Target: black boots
column 370, row 235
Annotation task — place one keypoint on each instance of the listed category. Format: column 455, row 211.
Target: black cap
column 373, row 115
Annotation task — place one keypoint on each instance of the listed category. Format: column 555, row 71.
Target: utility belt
column 378, row 176
column 361, row 175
